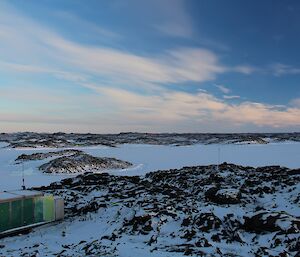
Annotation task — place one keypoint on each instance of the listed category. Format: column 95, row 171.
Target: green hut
column 25, row 208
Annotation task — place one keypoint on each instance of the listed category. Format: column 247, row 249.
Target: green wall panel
column 38, row 210
column 28, row 211
column 49, row 214
column 16, row 214
column 4, row 217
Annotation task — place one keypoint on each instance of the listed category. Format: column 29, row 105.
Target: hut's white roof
column 5, row 196
column 17, row 194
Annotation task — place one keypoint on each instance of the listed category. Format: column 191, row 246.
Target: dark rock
column 272, row 222
column 140, row 224
column 207, row 221
column 225, row 196
column 186, row 222
column 189, row 234
column 294, row 172
column 216, row 238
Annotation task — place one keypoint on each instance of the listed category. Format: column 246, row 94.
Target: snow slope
column 194, row 211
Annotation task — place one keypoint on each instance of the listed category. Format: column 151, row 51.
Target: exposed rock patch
column 223, row 196
column 42, row 156
column 272, row 222
column 81, row 162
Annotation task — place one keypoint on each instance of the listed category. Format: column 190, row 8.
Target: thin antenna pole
column 23, row 177
column 218, row 157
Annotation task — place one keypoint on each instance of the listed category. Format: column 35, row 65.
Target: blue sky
column 154, row 66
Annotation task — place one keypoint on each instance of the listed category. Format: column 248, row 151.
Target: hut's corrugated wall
column 26, row 211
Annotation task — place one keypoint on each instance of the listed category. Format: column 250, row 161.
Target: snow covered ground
column 148, row 158
column 198, row 211
column 83, row 233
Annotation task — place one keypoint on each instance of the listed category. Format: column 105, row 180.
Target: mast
column 219, row 154
column 23, row 177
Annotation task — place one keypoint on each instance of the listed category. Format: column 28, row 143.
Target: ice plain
column 148, row 158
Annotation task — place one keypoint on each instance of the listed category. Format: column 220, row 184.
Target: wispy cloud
column 295, row 102
column 175, row 66
column 279, row 69
column 223, row 89
column 113, row 110
column 231, row 96
column 245, row 69
column 33, row 48
column 201, row 108
column 27, row 68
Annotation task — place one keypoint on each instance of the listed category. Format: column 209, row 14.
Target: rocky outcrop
column 81, row 162
column 59, row 140
column 223, row 196
column 42, row 156
column 272, row 222
column 228, row 210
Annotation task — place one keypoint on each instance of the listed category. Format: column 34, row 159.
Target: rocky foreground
column 228, row 210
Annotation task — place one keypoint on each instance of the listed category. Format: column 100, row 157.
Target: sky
column 149, row 66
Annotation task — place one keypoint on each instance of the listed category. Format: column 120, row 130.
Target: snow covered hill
column 228, row 210
column 81, row 162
